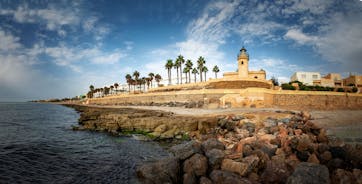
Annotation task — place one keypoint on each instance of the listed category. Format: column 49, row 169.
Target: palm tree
column 168, row 66
column 151, row 76
column 148, row 82
column 116, row 86
column 91, row 87
column 158, row 78
column 177, row 65
column 181, row 60
column 205, row 69
column 90, row 94
column 186, row 71
column 216, row 70
column 129, row 80
column 189, row 66
column 136, row 75
column 200, row 65
column 195, row 71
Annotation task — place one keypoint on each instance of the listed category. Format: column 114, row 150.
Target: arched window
column 256, row 77
column 242, row 62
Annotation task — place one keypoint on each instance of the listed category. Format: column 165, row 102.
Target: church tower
column 243, row 62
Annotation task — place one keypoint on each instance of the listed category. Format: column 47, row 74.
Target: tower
column 243, row 62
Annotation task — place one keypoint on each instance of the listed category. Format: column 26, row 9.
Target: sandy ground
column 345, row 124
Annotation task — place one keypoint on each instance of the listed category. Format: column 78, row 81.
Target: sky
column 57, row 49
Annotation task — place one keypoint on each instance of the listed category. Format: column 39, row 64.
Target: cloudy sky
column 58, row 48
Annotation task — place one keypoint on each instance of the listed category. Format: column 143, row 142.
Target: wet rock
column 276, row 171
column 164, row 171
column 189, row 178
column 309, row 173
column 215, row 157
column 186, row 150
column 212, row 143
column 205, row 180
column 196, row 164
column 226, row 177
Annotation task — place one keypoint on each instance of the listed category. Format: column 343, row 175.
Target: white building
column 305, row 77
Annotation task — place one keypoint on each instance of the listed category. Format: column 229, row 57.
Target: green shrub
column 287, row 86
column 340, row 90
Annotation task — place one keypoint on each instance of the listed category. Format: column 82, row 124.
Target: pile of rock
column 244, row 150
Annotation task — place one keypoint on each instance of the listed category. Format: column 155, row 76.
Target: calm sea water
column 37, row 145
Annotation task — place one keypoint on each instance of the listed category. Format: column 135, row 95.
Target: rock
column 249, row 126
column 237, row 117
column 160, row 129
column 338, row 152
column 169, row 133
column 298, row 132
column 189, row 178
column 247, row 150
column 303, row 143
column 322, row 136
column 270, row 122
column 342, row 176
column 164, row 171
column 313, row 159
column 306, row 116
column 215, row 157
column 225, row 177
column 292, row 161
column 233, row 166
column 212, row 143
column 243, row 168
column 186, row 150
column 326, row 156
column 357, row 173
column 336, row 163
column 196, row 164
column 322, row 147
column 266, row 138
column 205, row 180
column 303, row 155
column 309, row 173
column 276, row 171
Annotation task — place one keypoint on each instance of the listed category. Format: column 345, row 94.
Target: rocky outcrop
column 157, row 124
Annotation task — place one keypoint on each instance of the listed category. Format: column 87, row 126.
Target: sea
column 38, row 145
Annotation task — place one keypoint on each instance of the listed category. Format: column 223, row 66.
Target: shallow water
column 37, row 145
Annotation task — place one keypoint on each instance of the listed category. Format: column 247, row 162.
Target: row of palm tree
column 188, row 69
column 113, row 89
column 141, row 81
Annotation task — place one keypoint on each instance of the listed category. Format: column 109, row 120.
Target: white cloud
column 298, row 36
column 108, row 58
column 8, row 41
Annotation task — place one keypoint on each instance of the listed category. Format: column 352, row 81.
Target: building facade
column 306, row 77
column 353, row 80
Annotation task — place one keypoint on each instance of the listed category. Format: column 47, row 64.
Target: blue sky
column 58, row 48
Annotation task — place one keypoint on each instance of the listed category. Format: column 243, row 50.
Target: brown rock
column 189, row 178
column 196, row 164
column 322, row 147
column 306, row 116
column 163, row 171
column 357, row 173
column 303, row 143
column 313, row 159
column 275, row 172
column 309, row 173
column 205, row 180
column 226, row 177
column 322, row 136
column 253, row 177
column 326, row 156
column 298, row 132
column 252, row 162
column 233, row 166
column 215, row 157
column 186, row 150
column 211, row 144
column 342, row 176
column 292, row 161
column 247, row 150
column 266, row 138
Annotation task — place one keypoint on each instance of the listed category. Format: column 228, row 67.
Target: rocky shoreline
column 279, row 147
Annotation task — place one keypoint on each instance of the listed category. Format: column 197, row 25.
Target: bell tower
column 243, row 63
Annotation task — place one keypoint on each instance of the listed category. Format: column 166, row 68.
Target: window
column 315, row 76
column 242, row 62
column 256, row 77
column 304, row 76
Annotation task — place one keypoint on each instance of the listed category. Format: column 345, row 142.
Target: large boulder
column 164, row 171
column 215, row 157
column 189, row 178
column 276, row 171
column 186, row 150
column 243, row 168
column 226, row 177
column 309, row 173
column 212, row 143
column 197, row 164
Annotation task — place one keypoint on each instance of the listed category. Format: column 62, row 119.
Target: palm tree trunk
column 189, row 77
column 195, row 77
column 215, row 76
column 205, row 77
column 178, row 79
column 200, row 75
column 181, row 72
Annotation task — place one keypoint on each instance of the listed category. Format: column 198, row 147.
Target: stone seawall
column 238, row 98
